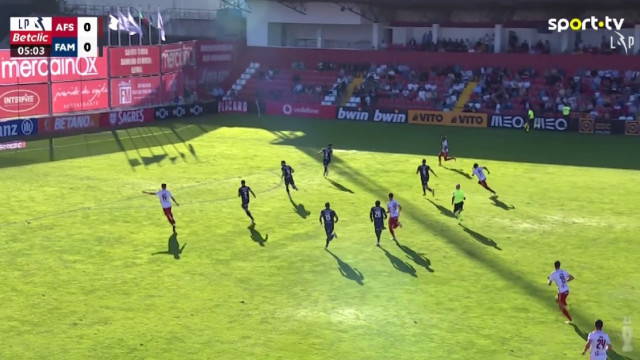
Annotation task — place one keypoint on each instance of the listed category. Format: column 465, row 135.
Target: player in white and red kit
column 478, row 171
column 599, row 343
column 561, row 278
column 166, row 197
column 444, row 153
column 393, row 208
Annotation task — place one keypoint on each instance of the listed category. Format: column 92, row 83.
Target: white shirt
column 560, row 277
column 479, row 172
column 165, row 198
column 394, row 208
column 445, row 146
column 599, row 341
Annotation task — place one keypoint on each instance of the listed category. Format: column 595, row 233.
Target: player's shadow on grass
column 611, row 354
column 419, row 259
column 347, row 271
column 173, row 248
column 340, row 187
column 460, row 172
column 500, row 204
column 480, row 238
column 299, row 209
column 256, row 236
column 400, row 265
column 443, row 210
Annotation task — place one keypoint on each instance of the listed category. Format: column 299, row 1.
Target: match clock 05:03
column 30, row 50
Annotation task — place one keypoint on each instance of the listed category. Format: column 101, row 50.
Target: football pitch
column 91, row 270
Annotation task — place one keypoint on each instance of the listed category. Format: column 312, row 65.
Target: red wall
column 285, row 56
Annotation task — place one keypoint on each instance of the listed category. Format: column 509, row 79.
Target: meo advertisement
column 77, row 96
column 447, row 118
column 36, row 70
column 117, row 119
column 135, row 91
column 134, row 60
column 69, row 123
column 24, row 100
column 549, row 124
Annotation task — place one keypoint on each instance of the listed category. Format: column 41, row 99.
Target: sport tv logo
column 375, row 116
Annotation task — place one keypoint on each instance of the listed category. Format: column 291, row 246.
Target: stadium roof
column 571, row 5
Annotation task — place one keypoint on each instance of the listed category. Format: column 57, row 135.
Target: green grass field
column 88, row 274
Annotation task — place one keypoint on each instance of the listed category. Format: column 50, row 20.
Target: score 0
column 88, row 36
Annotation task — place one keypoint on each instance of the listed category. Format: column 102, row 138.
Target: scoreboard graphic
column 56, row 36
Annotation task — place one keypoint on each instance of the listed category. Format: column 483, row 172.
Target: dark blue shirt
column 287, row 171
column 424, row 171
column 327, row 153
column 378, row 215
column 328, row 216
column 244, row 191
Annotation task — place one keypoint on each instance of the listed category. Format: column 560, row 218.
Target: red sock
column 566, row 314
column 392, row 232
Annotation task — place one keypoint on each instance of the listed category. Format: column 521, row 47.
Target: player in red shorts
column 165, row 200
column 478, row 171
column 393, row 208
column 444, row 153
column 561, row 278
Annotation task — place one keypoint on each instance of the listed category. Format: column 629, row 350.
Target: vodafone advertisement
column 116, row 119
column 76, row 96
column 24, row 100
column 134, row 60
column 135, row 91
column 70, row 123
column 301, row 110
column 176, row 57
column 36, row 70
column 172, row 86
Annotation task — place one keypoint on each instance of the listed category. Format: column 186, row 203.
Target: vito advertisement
column 18, row 101
column 316, row 111
column 134, row 60
column 36, row 70
column 78, row 96
column 125, row 118
column 135, row 91
column 72, row 123
column 443, row 118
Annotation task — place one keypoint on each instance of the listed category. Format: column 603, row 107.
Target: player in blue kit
column 330, row 218
column 377, row 216
column 243, row 193
column 287, row 174
column 424, row 171
column 327, row 154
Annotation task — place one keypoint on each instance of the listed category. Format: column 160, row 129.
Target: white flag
column 161, row 26
column 134, row 28
column 113, row 23
column 124, row 23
